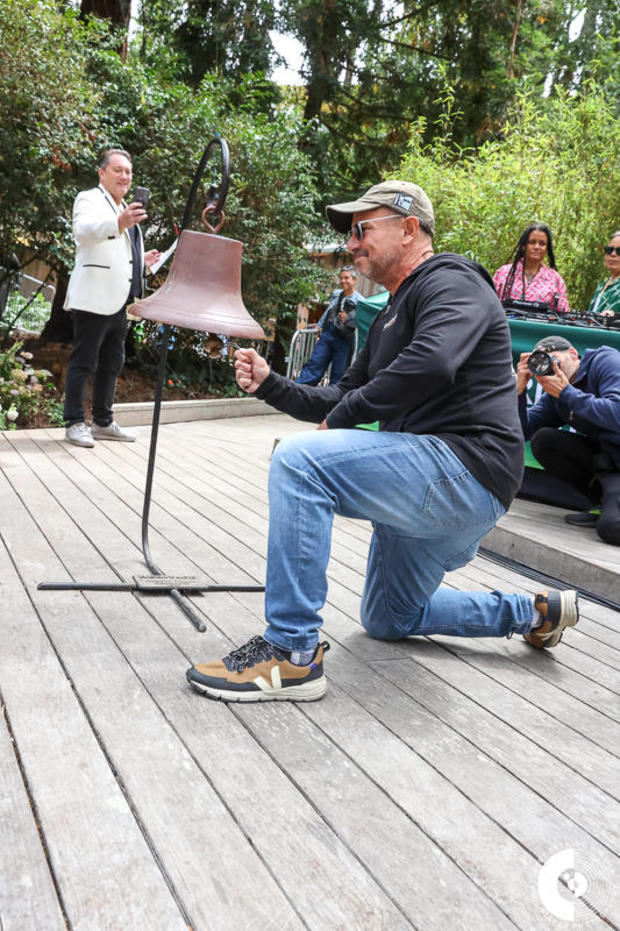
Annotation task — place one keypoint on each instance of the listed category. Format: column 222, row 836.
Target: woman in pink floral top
column 526, row 278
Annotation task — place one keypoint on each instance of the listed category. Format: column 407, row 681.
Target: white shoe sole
column 307, row 691
column 83, row 445
column 569, row 614
column 114, row 439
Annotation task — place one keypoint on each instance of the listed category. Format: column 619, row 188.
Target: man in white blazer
column 110, row 264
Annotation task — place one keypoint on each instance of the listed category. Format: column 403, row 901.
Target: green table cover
column 523, row 333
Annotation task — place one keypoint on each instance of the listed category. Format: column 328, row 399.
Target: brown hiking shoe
column 559, row 611
column 259, row 671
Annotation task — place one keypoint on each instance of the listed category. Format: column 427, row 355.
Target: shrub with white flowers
column 24, row 390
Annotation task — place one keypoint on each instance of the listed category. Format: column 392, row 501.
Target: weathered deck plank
column 493, row 722
column 325, row 857
column 27, row 894
column 102, row 865
column 174, row 807
column 425, row 791
column 433, row 916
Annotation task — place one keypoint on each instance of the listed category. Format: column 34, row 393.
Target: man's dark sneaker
column 559, row 611
column 584, row 518
column 259, row 671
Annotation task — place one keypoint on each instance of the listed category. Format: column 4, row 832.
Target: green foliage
column 54, row 412
column 556, row 163
column 65, row 94
column 573, row 63
column 196, row 362
column 271, row 209
column 23, row 389
column 372, row 68
column 46, row 123
column 270, row 205
column 230, row 37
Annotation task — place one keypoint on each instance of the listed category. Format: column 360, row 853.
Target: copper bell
column 203, row 289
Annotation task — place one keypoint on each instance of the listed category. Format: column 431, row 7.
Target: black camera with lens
column 541, row 362
column 346, row 328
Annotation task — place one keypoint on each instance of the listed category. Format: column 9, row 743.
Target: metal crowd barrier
column 301, row 348
column 25, row 302
column 29, row 286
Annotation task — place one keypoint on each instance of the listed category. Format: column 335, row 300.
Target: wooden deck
column 425, row 791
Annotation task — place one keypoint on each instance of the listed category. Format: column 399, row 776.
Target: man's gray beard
column 381, row 265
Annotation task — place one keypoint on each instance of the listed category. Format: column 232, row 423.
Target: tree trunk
column 316, row 92
column 59, row 327
column 513, row 44
column 118, row 12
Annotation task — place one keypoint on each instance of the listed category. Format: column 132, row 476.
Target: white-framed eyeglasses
column 357, row 230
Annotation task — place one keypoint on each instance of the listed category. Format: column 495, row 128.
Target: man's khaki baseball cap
column 399, row 196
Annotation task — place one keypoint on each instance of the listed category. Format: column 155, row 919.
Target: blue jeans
column 330, row 348
column 428, row 515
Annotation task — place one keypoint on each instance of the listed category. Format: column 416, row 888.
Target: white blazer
column 102, row 274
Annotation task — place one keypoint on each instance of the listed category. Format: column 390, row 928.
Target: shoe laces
column 254, row 651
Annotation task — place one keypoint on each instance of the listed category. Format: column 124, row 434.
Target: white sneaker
column 79, row 434
column 112, row 432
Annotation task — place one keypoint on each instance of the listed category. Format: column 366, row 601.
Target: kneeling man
column 447, row 460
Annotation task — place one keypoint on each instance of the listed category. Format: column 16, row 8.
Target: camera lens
column 540, row 363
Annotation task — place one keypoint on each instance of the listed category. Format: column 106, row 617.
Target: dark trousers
column 569, row 456
column 579, row 461
column 99, row 347
column 330, row 348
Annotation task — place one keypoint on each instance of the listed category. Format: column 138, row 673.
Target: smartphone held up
column 142, row 195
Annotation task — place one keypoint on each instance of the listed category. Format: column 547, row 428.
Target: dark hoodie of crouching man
column 444, row 465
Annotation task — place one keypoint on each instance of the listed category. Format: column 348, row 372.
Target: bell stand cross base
column 158, row 582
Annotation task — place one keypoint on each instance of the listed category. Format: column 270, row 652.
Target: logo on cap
column 404, row 201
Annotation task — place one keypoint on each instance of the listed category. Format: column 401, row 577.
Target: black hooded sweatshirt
column 437, row 361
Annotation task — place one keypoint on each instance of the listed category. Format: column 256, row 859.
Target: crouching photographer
column 583, row 393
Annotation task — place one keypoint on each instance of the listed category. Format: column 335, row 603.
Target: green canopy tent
column 365, row 312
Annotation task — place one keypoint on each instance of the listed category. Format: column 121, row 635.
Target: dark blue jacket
column 591, row 404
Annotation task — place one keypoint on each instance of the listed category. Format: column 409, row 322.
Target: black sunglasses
column 357, row 230
column 612, row 250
